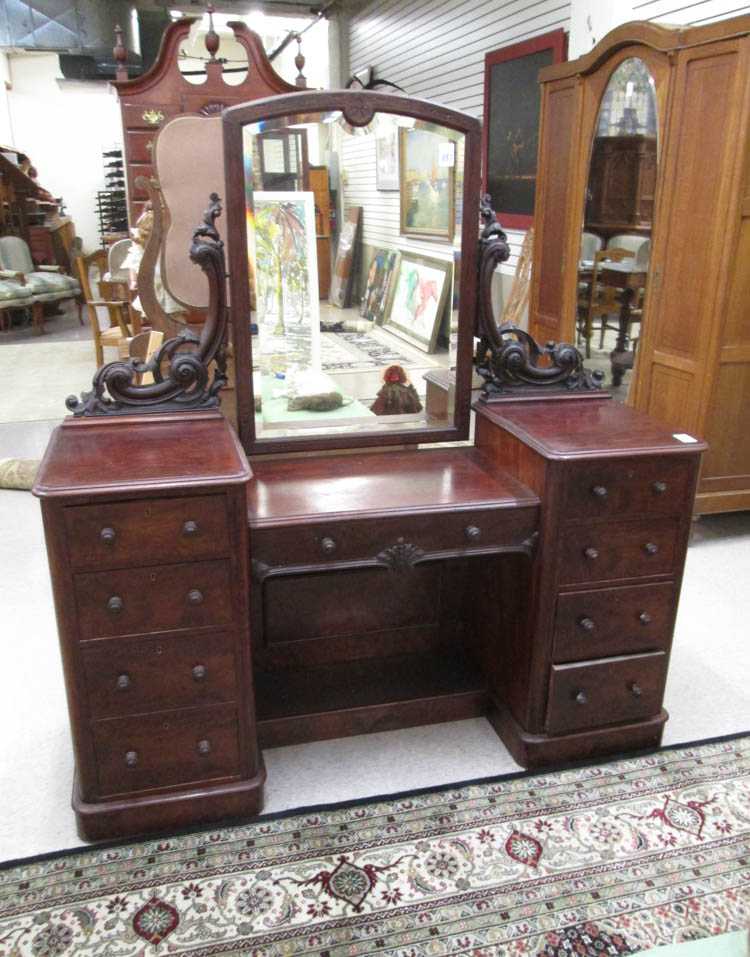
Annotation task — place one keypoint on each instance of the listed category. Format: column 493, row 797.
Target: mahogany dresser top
column 379, row 483
column 585, row 428
column 126, row 454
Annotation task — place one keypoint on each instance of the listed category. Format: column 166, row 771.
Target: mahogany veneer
column 145, row 519
column 532, row 578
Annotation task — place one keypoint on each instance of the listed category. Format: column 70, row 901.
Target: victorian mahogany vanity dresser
column 209, row 608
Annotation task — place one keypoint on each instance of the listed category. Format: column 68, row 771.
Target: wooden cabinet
column 149, row 559
column 616, row 495
column 693, row 360
column 622, row 183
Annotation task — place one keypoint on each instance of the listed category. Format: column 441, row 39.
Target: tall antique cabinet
column 693, row 360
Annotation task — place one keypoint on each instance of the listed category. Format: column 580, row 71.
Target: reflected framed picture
column 386, row 159
column 512, row 102
column 420, row 292
column 283, row 247
column 427, row 162
column 380, row 278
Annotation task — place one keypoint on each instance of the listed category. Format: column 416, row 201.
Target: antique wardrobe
column 692, row 365
column 330, row 570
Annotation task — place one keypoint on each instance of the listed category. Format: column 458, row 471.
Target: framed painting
column 512, row 99
column 386, row 159
column 420, row 292
column 380, row 277
column 427, row 163
column 340, row 293
column 283, row 247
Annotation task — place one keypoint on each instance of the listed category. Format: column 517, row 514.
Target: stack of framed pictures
column 408, row 294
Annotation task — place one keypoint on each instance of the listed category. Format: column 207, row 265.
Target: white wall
column 435, row 48
column 63, row 126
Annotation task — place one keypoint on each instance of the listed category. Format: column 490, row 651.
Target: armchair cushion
column 10, row 291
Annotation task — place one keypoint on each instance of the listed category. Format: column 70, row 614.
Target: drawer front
column 163, row 750
column 141, row 147
column 613, row 621
column 148, row 531
column 137, row 675
column 611, row 691
column 139, row 116
column 392, row 539
column 608, row 490
column 163, row 598
column 607, row 552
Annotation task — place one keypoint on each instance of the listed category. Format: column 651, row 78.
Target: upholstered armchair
column 46, row 283
column 14, row 294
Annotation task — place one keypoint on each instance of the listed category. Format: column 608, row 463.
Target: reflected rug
column 599, row 860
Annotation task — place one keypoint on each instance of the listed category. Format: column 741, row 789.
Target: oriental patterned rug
column 599, row 860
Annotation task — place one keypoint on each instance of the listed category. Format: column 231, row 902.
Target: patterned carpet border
column 600, row 859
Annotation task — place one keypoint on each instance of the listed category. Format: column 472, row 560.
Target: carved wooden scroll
column 508, row 359
column 180, row 368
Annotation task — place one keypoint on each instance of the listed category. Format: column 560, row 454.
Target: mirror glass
column 618, row 219
column 353, row 243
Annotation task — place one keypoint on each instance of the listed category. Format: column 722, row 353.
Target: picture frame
column 379, row 284
column 427, row 183
column 510, row 135
column 342, row 274
column 386, row 160
column 286, row 276
column 418, row 301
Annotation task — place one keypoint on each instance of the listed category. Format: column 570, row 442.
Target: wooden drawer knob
column 473, row 533
column 644, row 618
column 591, row 553
column 204, row 746
column 659, row 488
column 327, row 546
column 586, row 623
column 199, row 672
column 190, row 529
column 131, row 758
column 123, row 682
column 115, row 605
column 636, row 690
column 599, row 491
column 582, row 698
column 650, row 548
column 108, row 535
column 195, row 596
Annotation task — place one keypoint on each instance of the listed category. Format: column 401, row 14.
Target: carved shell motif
column 401, row 556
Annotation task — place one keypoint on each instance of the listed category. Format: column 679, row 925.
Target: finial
column 299, row 62
column 212, row 40
column 120, row 54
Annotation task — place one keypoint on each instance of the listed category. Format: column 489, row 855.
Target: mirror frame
column 358, row 108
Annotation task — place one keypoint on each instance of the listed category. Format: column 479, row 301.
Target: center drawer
column 163, row 750
column 163, row 598
column 400, row 538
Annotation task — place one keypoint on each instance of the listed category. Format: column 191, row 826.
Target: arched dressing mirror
column 339, row 339
column 617, row 223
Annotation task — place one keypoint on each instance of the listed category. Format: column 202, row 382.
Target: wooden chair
column 142, row 346
column 603, row 300
column 117, row 310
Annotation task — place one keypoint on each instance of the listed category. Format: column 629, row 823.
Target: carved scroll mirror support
column 181, row 367
column 509, row 360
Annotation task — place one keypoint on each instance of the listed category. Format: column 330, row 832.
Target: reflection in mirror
column 618, row 220
column 353, row 239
